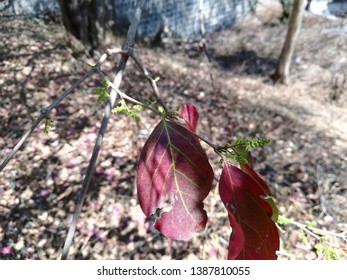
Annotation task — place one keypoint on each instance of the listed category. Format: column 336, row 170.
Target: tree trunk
column 85, row 20
column 282, row 71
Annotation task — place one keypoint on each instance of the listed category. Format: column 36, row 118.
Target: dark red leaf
column 254, row 235
column 190, row 115
column 175, row 175
column 248, row 169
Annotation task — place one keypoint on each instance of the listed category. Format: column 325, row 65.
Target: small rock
column 19, row 245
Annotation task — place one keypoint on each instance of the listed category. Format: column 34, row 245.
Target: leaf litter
column 304, row 165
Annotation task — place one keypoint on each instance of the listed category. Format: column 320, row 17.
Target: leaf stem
column 313, row 231
column 127, row 97
column 167, row 115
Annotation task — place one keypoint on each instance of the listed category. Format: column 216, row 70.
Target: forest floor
column 304, row 165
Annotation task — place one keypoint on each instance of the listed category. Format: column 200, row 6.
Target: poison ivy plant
column 174, row 177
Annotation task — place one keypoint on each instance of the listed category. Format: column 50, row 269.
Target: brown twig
column 149, row 78
column 167, row 116
column 46, row 111
column 116, row 51
column 129, row 43
column 127, row 97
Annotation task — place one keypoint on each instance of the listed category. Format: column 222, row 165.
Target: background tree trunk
column 81, row 21
column 282, row 71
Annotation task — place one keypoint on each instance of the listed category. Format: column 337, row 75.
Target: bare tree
column 295, row 20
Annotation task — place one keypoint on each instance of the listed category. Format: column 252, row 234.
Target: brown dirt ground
column 305, row 164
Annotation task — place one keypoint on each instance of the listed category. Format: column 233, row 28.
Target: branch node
column 44, row 111
column 128, row 50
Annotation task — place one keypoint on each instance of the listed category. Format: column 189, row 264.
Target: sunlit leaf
column 254, row 235
column 190, row 115
column 174, row 174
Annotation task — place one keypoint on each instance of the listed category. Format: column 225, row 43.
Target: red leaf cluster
column 174, row 176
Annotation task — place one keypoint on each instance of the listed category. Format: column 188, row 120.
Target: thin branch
column 316, row 232
column 129, row 43
column 127, row 97
column 140, row 244
column 213, row 146
column 167, row 116
column 304, row 228
column 149, row 78
column 45, row 112
column 116, row 51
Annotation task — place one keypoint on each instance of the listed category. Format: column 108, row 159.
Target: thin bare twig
column 316, row 232
column 149, row 78
column 127, row 97
column 45, row 112
column 129, row 43
column 140, row 244
column 116, row 51
column 167, row 116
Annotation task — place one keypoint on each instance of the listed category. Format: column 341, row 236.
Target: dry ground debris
column 305, row 164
